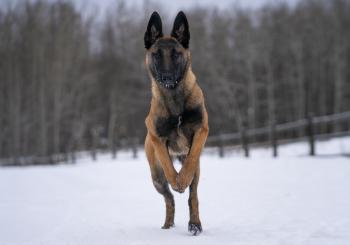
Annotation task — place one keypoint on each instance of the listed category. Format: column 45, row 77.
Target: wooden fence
column 131, row 145
column 308, row 129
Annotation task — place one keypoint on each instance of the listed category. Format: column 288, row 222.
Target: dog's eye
column 156, row 55
column 176, row 54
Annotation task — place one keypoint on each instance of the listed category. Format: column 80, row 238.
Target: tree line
column 72, row 81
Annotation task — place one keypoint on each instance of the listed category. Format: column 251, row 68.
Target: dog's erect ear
column 154, row 30
column 180, row 30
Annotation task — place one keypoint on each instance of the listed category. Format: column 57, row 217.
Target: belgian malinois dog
column 177, row 123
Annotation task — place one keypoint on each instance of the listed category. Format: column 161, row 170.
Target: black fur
column 194, row 115
column 181, row 29
column 154, row 30
column 165, row 126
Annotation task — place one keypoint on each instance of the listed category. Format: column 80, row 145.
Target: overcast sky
column 169, row 5
column 175, row 5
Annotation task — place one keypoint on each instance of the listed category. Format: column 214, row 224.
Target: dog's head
column 167, row 58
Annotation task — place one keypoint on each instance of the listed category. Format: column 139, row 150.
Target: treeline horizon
column 71, row 81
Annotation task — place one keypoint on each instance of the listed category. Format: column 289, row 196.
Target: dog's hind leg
column 161, row 184
column 194, row 225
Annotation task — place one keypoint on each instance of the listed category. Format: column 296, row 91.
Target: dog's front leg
column 165, row 161
column 191, row 162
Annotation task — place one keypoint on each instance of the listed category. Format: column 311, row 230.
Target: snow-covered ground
column 294, row 199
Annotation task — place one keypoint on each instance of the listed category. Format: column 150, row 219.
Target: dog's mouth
column 168, row 85
column 168, row 80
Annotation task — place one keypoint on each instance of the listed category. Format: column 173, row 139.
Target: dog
column 177, row 124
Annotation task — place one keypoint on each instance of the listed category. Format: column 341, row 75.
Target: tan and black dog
column 177, row 123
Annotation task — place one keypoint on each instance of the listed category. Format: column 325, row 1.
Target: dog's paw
column 168, row 225
column 195, row 228
column 179, row 190
column 175, row 187
column 183, row 180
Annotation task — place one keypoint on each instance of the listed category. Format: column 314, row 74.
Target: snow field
column 261, row 200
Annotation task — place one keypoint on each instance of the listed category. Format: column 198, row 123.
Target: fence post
column 221, row 146
column 245, row 142
column 73, row 157
column 65, row 156
column 114, row 149
column 311, row 134
column 71, row 152
column 274, row 139
column 95, row 132
column 134, row 147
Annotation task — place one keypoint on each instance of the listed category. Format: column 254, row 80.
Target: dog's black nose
column 167, row 78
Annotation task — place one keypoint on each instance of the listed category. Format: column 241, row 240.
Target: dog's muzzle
column 168, row 80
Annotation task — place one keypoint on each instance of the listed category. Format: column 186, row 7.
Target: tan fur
column 158, row 154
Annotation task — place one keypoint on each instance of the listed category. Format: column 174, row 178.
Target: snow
column 294, row 199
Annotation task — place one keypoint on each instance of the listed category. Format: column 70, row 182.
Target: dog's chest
column 178, row 130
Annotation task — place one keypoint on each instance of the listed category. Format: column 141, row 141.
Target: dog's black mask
column 168, row 64
column 167, row 56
